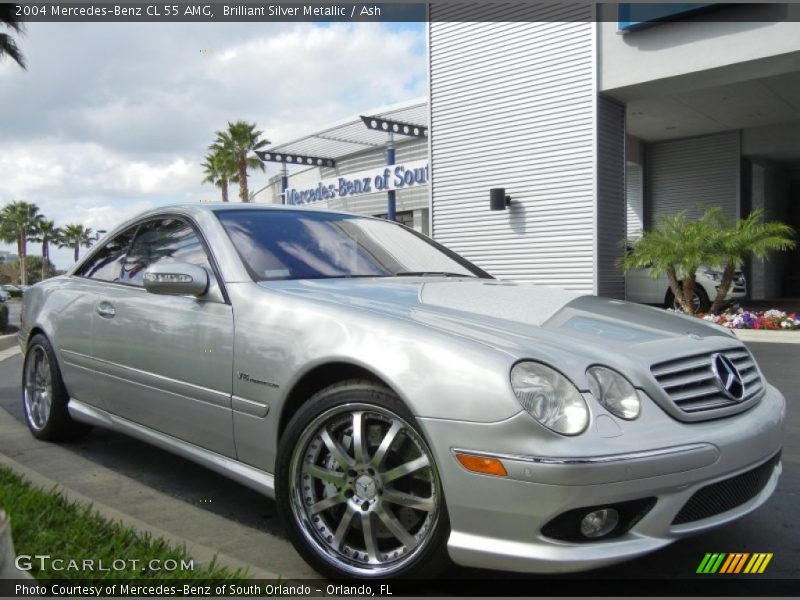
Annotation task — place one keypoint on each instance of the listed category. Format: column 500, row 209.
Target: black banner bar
column 166, row 11
column 502, row 585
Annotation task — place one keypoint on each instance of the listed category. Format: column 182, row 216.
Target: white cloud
column 110, row 119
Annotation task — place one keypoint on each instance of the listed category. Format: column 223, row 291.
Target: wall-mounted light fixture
column 498, row 199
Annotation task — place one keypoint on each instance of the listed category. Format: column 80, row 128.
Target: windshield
column 294, row 244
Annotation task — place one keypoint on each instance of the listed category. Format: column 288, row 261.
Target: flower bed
column 738, row 318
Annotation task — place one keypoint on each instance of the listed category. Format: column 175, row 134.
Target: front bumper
column 497, row 522
column 737, row 290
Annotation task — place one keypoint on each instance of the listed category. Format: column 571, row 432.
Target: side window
column 106, row 264
column 162, row 241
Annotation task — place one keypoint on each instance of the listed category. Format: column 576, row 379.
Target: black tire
column 40, row 371
column 350, row 554
column 700, row 299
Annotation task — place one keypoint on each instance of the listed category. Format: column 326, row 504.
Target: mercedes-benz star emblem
column 365, row 486
column 728, row 376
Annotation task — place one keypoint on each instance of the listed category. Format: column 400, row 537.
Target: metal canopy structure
column 351, row 136
column 394, row 127
column 295, row 159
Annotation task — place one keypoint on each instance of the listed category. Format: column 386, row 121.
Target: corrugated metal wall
column 513, row 106
column 611, row 206
column 683, row 173
column 634, row 199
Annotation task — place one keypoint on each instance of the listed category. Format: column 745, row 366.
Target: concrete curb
column 8, row 570
column 8, row 340
column 202, row 554
column 9, row 352
column 770, row 337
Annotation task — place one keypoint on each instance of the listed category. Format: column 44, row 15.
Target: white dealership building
column 359, row 178
column 595, row 121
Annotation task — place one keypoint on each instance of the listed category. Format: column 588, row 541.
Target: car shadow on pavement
column 179, row 478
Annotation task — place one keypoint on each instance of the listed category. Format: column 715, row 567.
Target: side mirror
column 176, row 279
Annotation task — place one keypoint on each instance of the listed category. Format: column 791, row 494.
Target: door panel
column 640, row 287
column 75, row 305
column 165, row 362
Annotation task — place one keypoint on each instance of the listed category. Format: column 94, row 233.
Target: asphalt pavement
column 256, row 533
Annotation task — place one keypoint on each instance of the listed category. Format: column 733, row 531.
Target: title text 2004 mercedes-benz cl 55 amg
column 404, row 408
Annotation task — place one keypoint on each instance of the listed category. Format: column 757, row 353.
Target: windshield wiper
column 431, row 274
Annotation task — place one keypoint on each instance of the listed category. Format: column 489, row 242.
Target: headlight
column 713, row 275
column 614, row 392
column 550, row 398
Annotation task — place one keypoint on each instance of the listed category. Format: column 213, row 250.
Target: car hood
column 521, row 318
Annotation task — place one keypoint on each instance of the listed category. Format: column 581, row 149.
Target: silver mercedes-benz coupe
column 403, row 407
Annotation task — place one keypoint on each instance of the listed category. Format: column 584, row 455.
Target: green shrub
column 3, row 317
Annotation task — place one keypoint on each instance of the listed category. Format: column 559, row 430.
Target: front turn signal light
column 482, row 464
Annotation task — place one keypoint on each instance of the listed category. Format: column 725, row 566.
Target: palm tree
column 240, row 139
column 74, row 236
column 46, row 233
column 17, row 223
column 732, row 244
column 8, row 45
column 220, row 169
column 678, row 245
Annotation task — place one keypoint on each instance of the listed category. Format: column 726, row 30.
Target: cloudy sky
column 113, row 118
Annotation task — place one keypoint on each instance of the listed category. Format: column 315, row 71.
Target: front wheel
column 358, row 487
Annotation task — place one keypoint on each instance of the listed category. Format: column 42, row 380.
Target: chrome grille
column 692, row 386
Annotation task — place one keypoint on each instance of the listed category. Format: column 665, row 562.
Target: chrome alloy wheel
column 364, row 489
column 38, row 387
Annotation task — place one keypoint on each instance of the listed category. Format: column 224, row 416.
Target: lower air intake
column 727, row 494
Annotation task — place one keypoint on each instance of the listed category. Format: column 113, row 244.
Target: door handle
column 106, row 309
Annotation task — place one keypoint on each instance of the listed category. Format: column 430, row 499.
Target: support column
column 284, row 183
column 391, row 198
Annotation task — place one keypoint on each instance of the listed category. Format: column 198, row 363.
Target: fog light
column 599, row 522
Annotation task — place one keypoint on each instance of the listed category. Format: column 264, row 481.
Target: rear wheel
column 44, row 396
column 358, row 486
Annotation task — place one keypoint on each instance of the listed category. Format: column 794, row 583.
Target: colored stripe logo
column 734, row 562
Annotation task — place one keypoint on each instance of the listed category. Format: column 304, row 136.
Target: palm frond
column 8, row 46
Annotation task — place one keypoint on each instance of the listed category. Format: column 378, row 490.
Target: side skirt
column 260, row 481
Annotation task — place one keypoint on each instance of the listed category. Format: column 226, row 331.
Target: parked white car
column 4, row 296
column 641, row 287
